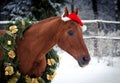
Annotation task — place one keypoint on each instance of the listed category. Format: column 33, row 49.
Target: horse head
column 71, row 37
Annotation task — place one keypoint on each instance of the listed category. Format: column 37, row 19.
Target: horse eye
column 70, row 32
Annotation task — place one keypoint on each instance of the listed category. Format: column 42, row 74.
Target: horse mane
column 48, row 19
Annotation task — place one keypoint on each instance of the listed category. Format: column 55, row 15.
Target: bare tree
column 72, row 5
column 94, row 3
column 118, row 12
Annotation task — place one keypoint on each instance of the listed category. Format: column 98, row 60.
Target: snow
column 70, row 72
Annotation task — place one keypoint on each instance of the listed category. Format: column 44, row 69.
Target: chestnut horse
column 42, row 36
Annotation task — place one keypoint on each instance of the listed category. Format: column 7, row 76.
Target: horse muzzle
column 83, row 61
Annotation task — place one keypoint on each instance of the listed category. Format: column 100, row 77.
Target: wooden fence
column 95, row 38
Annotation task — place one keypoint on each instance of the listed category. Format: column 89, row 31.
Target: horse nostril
column 85, row 59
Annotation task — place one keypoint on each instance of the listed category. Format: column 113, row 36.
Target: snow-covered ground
column 70, row 72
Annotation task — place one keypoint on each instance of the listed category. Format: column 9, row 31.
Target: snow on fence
column 84, row 21
column 101, row 37
column 98, row 45
column 102, row 21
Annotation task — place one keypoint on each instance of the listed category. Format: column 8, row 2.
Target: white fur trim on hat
column 65, row 18
column 84, row 28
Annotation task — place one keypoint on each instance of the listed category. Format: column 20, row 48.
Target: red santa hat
column 74, row 17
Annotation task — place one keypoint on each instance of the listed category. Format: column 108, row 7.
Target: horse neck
column 44, row 34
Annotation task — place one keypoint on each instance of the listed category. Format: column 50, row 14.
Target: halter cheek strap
column 74, row 17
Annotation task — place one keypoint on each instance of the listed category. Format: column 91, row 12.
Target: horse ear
column 66, row 12
column 76, row 11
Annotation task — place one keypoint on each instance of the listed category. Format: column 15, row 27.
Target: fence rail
column 102, row 21
column 84, row 21
column 6, row 22
column 101, row 37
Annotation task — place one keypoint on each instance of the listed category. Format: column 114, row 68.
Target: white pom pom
column 84, row 28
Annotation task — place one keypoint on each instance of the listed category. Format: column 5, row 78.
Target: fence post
column 96, row 50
